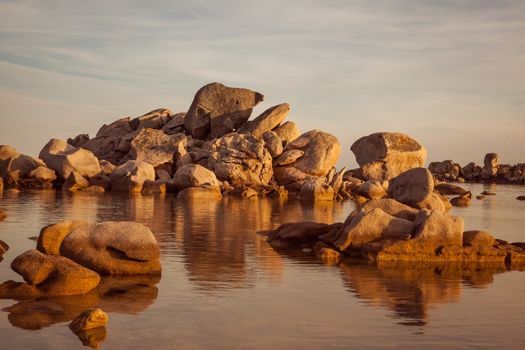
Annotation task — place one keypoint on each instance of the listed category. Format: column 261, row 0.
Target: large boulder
column 385, row 155
column 110, row 247
column 155, row 147
column 320, row 152
column 48, row 275
column 130, row 176
column 194, row 175
column 64, row 159
column 241, row 159
column 217, row 110
column 490, row 166
column 20, row 169
column 413, row 187
column 313, row 191
column 267, row 121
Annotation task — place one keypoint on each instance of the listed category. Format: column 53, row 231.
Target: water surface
column 223, row 287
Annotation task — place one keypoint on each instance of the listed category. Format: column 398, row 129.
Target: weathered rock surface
column 313, row 191
column 298, row 234
column 198, row 193
column 240, row 159
column 391, row 207
column 267, row 121
column 445, row 188
column 48, row 275
column 3, row 245
column 412, row 187
column 287, row 132
column 130, row 176
column 446, row 170
column 218, row 110
column 372, row 189
column 320, row 154
column 155, row 147
column 89, row 319
column 273, row 143
column 64, row 159
column 194, row 175
column 385, row 155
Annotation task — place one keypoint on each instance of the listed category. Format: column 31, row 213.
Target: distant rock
column 313, row 191
column 273, row 143
column 267, row 121
column 520, row 198
column 218, row 110
column 445, row 170
column 75, row 182
column 130, row 176
column 385, row 155
column 445, row 188
column 301, row 234
column 19, row 169
column 412, row 187
column 490, row 167
column 64, row 159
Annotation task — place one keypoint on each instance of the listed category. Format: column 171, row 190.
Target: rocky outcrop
column 64, row 159
column 48, row 275
column 240, row 159
column 18, row 169
column 413, row 187
column 309, row 157
column 287, row 132
column 130, row 176
column 217, row 110
column 155, row 147
column 385, row 155
column 110, row 247
column 446, row 170
column 372, row 189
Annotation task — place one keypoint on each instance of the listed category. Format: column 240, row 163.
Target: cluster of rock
column 491, row 171
column 70, row 255
column 149, row 153
column 408, row 222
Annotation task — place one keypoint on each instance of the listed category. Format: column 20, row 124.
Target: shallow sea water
column 223, row 287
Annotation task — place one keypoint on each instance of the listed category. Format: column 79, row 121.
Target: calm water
column 224, row 287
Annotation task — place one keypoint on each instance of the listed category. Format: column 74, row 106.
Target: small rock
column 520, row 198
column 89, row 319
column 488, row 193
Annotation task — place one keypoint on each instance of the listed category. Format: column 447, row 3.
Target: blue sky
column 449, row 73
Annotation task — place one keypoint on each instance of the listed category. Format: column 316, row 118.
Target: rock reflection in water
column 122, row 294
column 411, row 290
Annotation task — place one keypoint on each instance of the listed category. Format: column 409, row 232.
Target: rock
column 3, row 245
column 288, row 157
column 194, row 175
column 218, row 110
column 3, row 215
column 240, row 159
column 155, row 147
column 445, row 188
column 75, row 182
column 48, row 275
column 327, row 254
column 203, row 192
column 154, row 119
column 313, row 191
column 412, row 187
column 1, row 185
column 267, row 121
column 480, row 197
column 51, row 236
column 106, row 168
column 162, row 174
column 337, row 181
column 461, row 201
column 435, row 202
column 488, row 193
column 300, row 234
column 111, row 247
column 520, row 198
column 369, row 226
column 287, row 132
column 43, row 174
column 478, row 239
column 385, row 155
column 490, row 167
column 175, row 125
column 20, row 169
column 372, row 189
column 273, row 143
column 471, row 171
column 79, row 140
column 130, row 176
column 154, row 187
column 391, row 207
column 244, row 192
column 89, row 319
column 445, row 170
column 321, row 152
column 64, row 159
column 100, row 180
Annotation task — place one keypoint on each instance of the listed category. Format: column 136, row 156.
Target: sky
column 451, row 74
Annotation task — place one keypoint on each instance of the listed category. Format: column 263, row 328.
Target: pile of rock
column 491, row 171
column 70, row 255
column 408, row 221
column 265, row 155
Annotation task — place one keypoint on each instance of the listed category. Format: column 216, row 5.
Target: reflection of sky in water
column 223, row 286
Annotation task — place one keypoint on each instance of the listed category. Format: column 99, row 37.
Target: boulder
column 461, row 201
column 155, row 147
column 106, row 168
column 75, row 182
column 299, row 234
column 320, row 154
column 79, row 140
column 218, row 110
column 64, row 159
column 369, row 226
column 48, row 275
column 20, row 169
column 313, row 191
column 490, row 166
column 288, row 157
column 471, row 171
column 111, row 247
column 273, row 143
column 446, row 188
column 478, row 239
column 89, row 319
column 154, row 119
column 240, row 159
column 267, row 121
column 385, row 155
column 3, row 245
column 287, row 132
column 412, row 187
column 130, row 176
column 372, row 189
column 51, row 236
column 100, row 180
column 194, row 175
column 445, row 170
column 154, row 187
column 175, row 125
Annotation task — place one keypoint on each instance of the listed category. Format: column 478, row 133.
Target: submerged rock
column 89, row 319
column 385, row 155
